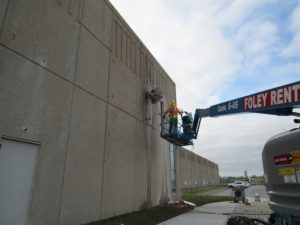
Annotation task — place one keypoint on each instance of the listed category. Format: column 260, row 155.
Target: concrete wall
column 194, row 170
column 74, row 74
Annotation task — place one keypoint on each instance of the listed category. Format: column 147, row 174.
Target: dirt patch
column 151, row 216
column 160, row 214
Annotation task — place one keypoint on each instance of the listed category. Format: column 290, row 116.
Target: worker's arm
column 178, row 111
column 167, row 111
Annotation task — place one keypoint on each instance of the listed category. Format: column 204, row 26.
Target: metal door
column 17, row 164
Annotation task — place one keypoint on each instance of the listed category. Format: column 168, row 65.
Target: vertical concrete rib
column 149, row 200
column 149, row 141
column 105, row 144
column 69, row 126
column 106, row 116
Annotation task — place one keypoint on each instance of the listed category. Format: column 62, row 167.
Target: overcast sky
column 217, row 51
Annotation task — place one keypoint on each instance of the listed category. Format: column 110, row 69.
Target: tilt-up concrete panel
column 187, row 169
column 92, row 66
column 160, row 170
column 74, row 8
column 3, row 7
column 43, row 32
column 83, row 173
column 140, row 99
column 156, row 116
column 171, row 92
column 194, row 170
column 180, row 165
column 97, row 17
column 71, row 6
column 140, row 166
column 125, row 166
column 124, row 88
column 192, row 167
column 33, row 98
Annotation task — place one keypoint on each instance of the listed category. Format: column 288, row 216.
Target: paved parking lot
column 250, row 192
column 219, row 213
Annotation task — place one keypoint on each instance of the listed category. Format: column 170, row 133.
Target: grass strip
column 159, row 214
column 204, row 199
column 203, row 189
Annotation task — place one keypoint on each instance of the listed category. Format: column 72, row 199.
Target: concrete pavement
column 258, row 210
column 218, row 213
column 210, row 214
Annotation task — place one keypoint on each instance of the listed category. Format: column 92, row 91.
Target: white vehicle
column 237, row 183
column 247, row 184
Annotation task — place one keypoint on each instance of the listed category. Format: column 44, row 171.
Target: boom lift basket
column 177, row 136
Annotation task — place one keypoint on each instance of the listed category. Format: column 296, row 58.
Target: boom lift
column 278, row 101
column 281, row 153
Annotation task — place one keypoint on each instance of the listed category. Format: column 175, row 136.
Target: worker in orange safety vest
column 173, row 111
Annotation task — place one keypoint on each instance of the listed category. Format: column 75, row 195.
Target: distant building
column 257, row 180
